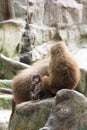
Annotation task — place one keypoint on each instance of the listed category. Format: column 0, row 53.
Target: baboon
column 22, row 81
column 63, row 72
column 63, row 69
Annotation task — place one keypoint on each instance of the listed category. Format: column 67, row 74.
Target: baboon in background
column 63, row 70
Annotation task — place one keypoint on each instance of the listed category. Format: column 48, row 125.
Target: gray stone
column 41, row 51
column 81, row 57
column 42, row 33
column 10, row 67
column 82, row 86
column 31, row 115
column 69, row 112
column 10, row 35
column 4, row 119
column 51, row 20
column 62, row 12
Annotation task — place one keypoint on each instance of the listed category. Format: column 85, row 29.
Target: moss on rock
column 5, row 101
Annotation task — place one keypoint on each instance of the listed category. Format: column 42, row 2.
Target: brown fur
column 63, row 69
column 22, row 82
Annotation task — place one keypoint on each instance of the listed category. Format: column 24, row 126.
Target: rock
column 19, row 7
column 10, row 35
column 6, row 10
column 81, row 57
column 82, row 86
column 5, row 104
column 31, row 115
column 26, row 57
column 5, row 83
column 47, row 20
column 35, row 11
column 58, row 18
column 5, row 101
column 42, row 33
column 10, row 67
column 69, row 112
column 64, row 13
column 4, row 119
column 41, row 51
column 5, row 108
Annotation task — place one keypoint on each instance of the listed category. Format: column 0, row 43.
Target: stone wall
column 10, row 35
column 53, row 20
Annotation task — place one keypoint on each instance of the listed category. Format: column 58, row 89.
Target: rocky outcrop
column 69, row 112
column 51, row 20
column 4, row 119
column 9, row 67
column 6, row 10
column 54, row 20
column 81, row 57
column 82, row 86
column 10, row 35
column 60, row 20
column 31, row 115
column 5, row 83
